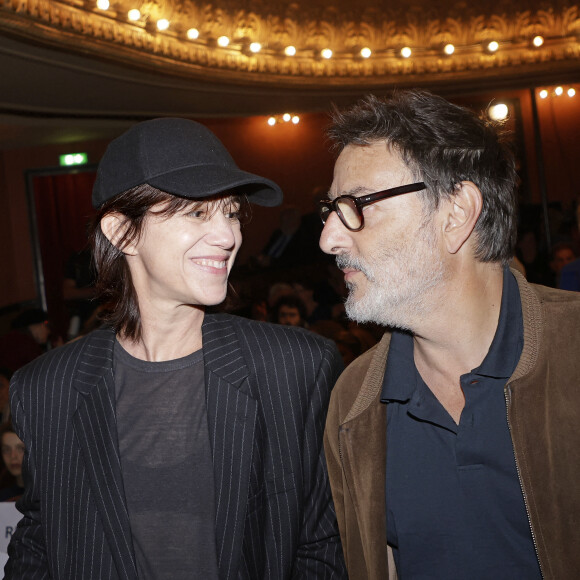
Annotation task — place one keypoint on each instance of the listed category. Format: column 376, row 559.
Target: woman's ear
column 114, row 225
column 464, row 209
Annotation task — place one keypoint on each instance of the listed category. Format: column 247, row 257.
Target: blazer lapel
column 95, row 427
column 232, row 415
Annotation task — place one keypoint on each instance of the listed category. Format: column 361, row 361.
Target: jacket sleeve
column 319, row 554
column 26, row 550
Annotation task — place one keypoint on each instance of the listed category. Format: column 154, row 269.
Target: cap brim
column 207, row 180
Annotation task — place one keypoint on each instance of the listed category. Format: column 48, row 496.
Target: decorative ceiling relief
column 304, row 44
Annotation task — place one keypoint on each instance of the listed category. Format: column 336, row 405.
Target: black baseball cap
column 178, row 156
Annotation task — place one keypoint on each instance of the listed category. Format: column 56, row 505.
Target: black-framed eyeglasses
column 349, row 208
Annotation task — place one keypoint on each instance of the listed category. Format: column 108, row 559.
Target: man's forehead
column 362, row 169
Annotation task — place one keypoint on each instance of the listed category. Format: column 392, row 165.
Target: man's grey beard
column 353, row 307
column 397, row 304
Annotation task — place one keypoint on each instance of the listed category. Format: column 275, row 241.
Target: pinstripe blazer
column 267, row 390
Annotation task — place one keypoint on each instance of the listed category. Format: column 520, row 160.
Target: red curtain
column 63, row 210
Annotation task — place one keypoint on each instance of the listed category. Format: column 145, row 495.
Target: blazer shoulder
column 65, row 359
column 272, row 333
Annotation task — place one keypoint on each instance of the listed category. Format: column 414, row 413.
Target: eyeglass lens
column 350, row 215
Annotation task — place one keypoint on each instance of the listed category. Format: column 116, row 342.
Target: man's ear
column 461, row 214
column 114, row 225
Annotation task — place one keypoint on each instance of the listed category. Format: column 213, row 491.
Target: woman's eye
column 233, row 215
column 196, row 213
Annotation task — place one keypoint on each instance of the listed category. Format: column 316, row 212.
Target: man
column 290, row 311
column 172, row 444
column 453, row 445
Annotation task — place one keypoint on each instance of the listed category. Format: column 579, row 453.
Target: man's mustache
column 344, row 261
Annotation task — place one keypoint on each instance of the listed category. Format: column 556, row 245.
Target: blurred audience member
column 277, row 290
column 561, row 255
column 570, row 276
column 294, row 242
column 533, row 259
column 78, row 290
column 27, row 339
column 11, row 483
column 278, row 249
column 290, row 311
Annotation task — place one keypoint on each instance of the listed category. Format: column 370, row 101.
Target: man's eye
column 233, row 215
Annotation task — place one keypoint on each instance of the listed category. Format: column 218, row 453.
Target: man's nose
column 334, row 237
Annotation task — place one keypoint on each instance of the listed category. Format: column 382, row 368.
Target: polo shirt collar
column 401, row 377
column 506, row 347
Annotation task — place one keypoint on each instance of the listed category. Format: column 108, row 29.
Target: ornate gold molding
column 79, row 26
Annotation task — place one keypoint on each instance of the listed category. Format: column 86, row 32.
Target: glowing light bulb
column 103, row 4
column 255, row 47
column 296, row 119
column 326, row 53
column 290, row 50
column 571, row 92
column 134, row 14
column 493, row 46
column 271, row 121
column 558, row 90
column 366, row 52
column 162, row 24
column 543, row 94
column 406, row 52
column 449, row 49
column 538, row 41
column 498, row 112
column 193, row 33
column 223, row 41
column 286, row 117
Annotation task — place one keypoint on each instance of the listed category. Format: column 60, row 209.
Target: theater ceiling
column 95, row 63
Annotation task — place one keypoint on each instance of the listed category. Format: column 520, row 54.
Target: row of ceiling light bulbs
column 497, row 112
column 406, row 51
column 285, row 118
column 558, row 92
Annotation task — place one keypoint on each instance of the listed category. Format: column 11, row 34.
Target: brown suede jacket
column 543, row 410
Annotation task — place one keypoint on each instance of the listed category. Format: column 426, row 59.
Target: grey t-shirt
column 167, row 465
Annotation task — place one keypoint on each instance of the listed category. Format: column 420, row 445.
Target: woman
column 12, row 485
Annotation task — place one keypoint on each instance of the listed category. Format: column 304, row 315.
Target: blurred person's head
column 277, row 290
column 12, row 451
column 290, row 311
column 561, row 255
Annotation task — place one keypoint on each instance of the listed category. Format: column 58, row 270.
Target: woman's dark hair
column 114, row 286
column 6, row 427
column 443, row 144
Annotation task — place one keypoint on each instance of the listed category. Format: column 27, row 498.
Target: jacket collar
column 221, row 351
column 229, row 404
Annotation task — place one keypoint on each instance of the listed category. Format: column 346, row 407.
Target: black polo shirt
column 455, row 508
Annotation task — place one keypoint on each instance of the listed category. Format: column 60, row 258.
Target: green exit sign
column 73, row 159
